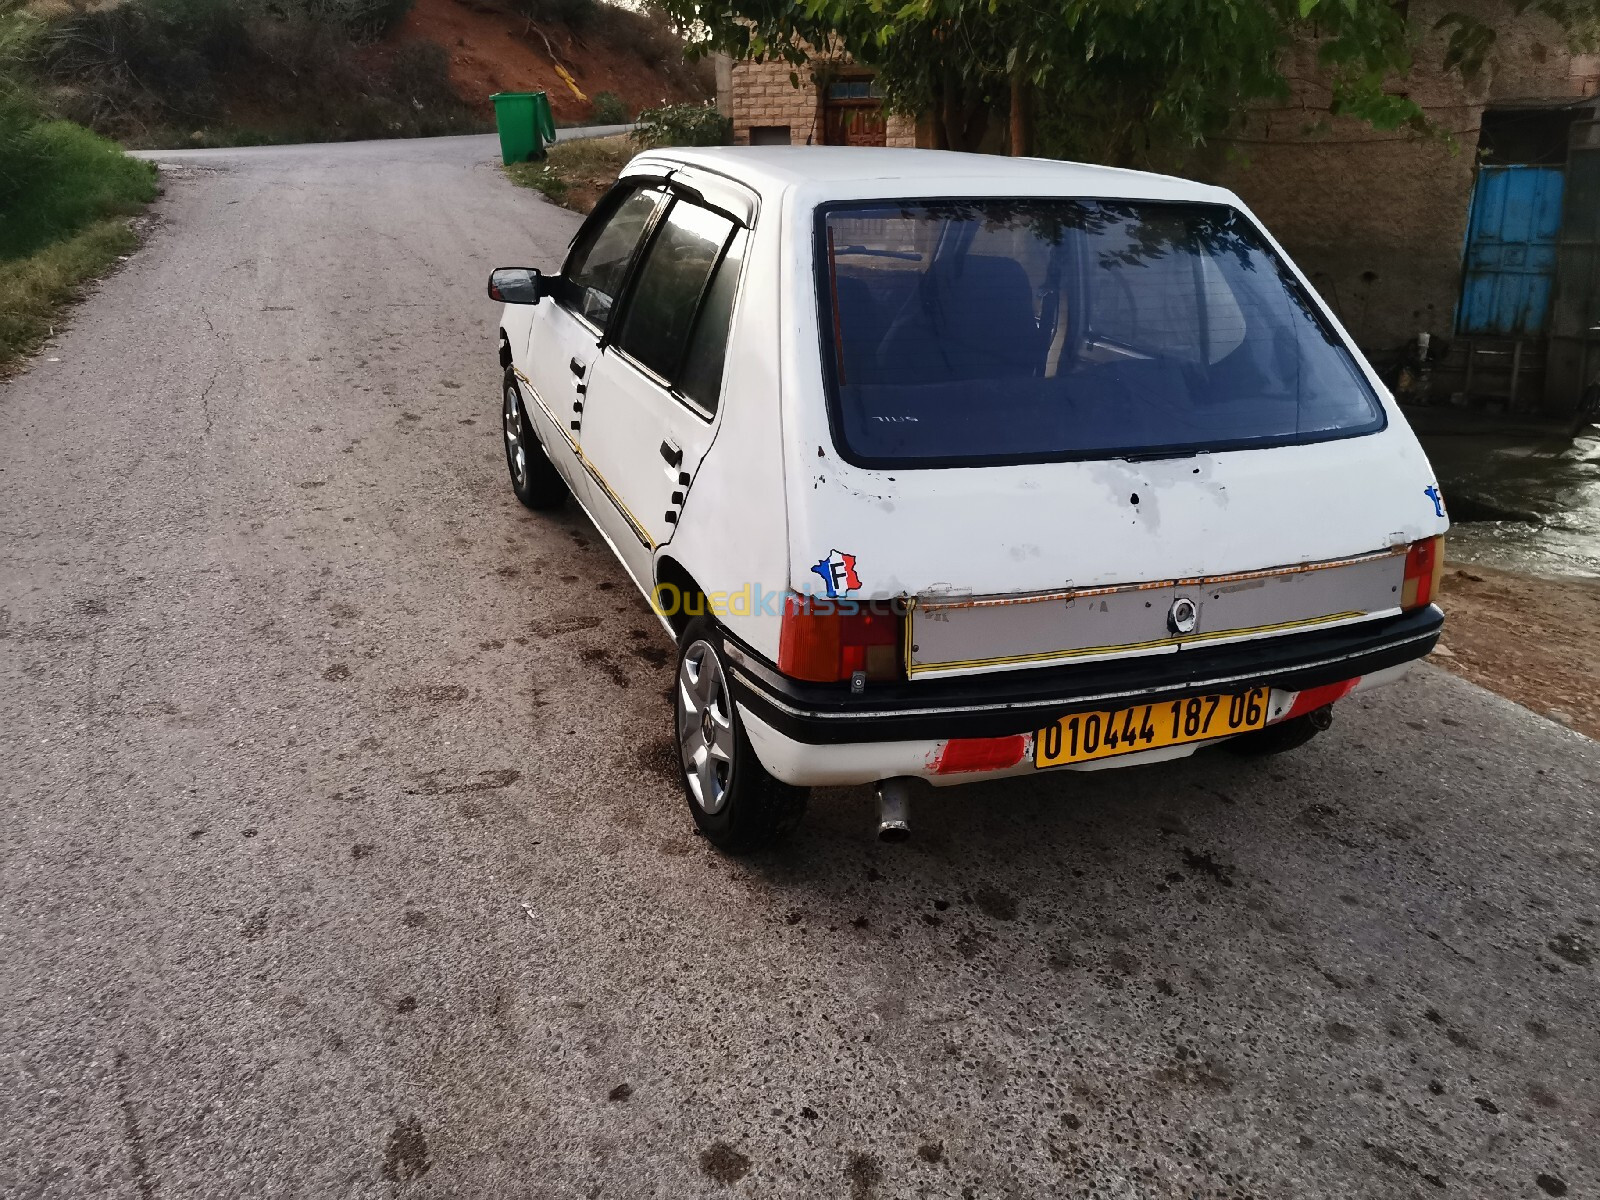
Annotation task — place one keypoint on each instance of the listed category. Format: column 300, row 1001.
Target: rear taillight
column 1424, row 568
column 829, row 640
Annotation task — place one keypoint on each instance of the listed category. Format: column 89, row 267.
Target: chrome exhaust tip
column 894, row 809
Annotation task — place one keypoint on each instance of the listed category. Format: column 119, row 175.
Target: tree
column 1107, row 79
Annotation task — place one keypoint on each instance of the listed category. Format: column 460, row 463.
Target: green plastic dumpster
column 525, row 124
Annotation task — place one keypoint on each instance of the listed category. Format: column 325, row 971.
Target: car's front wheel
column 533, row 477
column 735, row 803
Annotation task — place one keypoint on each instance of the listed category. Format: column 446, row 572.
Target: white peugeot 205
column 945, row 467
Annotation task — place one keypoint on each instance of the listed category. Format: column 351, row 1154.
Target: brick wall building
column 1377, row 219
column 833, row 104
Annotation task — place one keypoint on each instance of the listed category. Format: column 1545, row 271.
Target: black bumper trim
column 997, row 705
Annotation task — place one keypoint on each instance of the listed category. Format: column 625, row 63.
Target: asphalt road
column 341, row 853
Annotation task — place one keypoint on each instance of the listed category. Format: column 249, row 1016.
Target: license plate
column 1086, row 736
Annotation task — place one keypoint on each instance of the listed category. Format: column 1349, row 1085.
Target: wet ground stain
column 405, row 1154
column 864, row 1175
column 1204, row 864
column 722, row 1163
column 995, row 903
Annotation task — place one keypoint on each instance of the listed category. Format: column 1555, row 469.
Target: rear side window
column 701, row 379
column 968, row 331
column 598, row 264
column 672, row 280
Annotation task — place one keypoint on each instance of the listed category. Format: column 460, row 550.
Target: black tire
column 735, row 803
column 534, row 478
column 1275, row 739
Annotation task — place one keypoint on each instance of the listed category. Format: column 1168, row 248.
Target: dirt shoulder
column 1536, row 641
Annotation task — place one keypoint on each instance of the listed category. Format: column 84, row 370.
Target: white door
column 564, row 336
column 653, row 394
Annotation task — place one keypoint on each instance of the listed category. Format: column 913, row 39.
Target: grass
column 67, row 196
column 33, row 289
column 62, row 178
column 575, row 174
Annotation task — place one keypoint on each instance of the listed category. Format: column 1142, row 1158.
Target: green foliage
column 57, row 178
column 1110, row 79
column 682, row 125
column 609, row 109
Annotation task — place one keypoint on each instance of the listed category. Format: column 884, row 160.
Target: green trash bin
column 525, row 124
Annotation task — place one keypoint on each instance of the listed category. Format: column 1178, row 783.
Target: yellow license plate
column 1086, row 736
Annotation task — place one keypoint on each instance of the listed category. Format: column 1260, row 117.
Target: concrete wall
column 1378, row 219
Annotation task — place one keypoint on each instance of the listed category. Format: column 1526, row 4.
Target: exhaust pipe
column 1322, row 718
column 894, row 809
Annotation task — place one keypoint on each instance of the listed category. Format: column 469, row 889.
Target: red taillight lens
column 1424, row 568
column 828, row 640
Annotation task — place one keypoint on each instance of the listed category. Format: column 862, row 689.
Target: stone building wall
column 763, row 97
column 1378, row 219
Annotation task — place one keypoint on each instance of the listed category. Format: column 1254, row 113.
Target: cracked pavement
column 342, row 853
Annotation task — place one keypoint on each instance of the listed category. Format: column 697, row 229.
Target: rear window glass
column 1032, row 330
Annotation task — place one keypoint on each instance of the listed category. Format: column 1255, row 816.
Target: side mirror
column 517, row 285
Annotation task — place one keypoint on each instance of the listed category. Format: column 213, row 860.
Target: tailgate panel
column 993, row 633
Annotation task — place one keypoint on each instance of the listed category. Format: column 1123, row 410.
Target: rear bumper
column 998, row 705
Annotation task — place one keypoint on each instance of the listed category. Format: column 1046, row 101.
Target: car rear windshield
column 966, row 331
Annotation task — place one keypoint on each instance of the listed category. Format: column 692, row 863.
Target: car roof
column 866, row 171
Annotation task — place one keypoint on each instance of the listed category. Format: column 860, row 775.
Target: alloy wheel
column 705, row 727
column 516, row 434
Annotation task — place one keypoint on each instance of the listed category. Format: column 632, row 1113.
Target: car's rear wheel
column 533, row 477
column 735, row 803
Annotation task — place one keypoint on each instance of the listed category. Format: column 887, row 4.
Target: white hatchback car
column 946, row 467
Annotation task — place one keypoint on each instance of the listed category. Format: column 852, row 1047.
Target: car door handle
column 673, row 454
column 577, row 368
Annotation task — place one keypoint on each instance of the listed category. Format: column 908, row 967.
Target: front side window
column 1037, row 330
column 673, row 276
column 599, row 262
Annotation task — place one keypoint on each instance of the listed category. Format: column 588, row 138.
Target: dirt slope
column 493, row 51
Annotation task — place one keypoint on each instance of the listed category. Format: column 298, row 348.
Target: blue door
column 1511, row 250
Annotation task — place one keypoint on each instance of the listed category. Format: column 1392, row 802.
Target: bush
column 158, row 72
column 57, row 178
column 609, row 109
column 131, row 61
column 362, row 20
column 683, row 125
column 576, row 15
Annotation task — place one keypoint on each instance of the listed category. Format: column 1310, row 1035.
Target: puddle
column 1522, row 503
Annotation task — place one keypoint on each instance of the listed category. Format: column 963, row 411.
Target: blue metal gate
column 1511, row 250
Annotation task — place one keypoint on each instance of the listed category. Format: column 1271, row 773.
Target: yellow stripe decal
column 639, row 531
